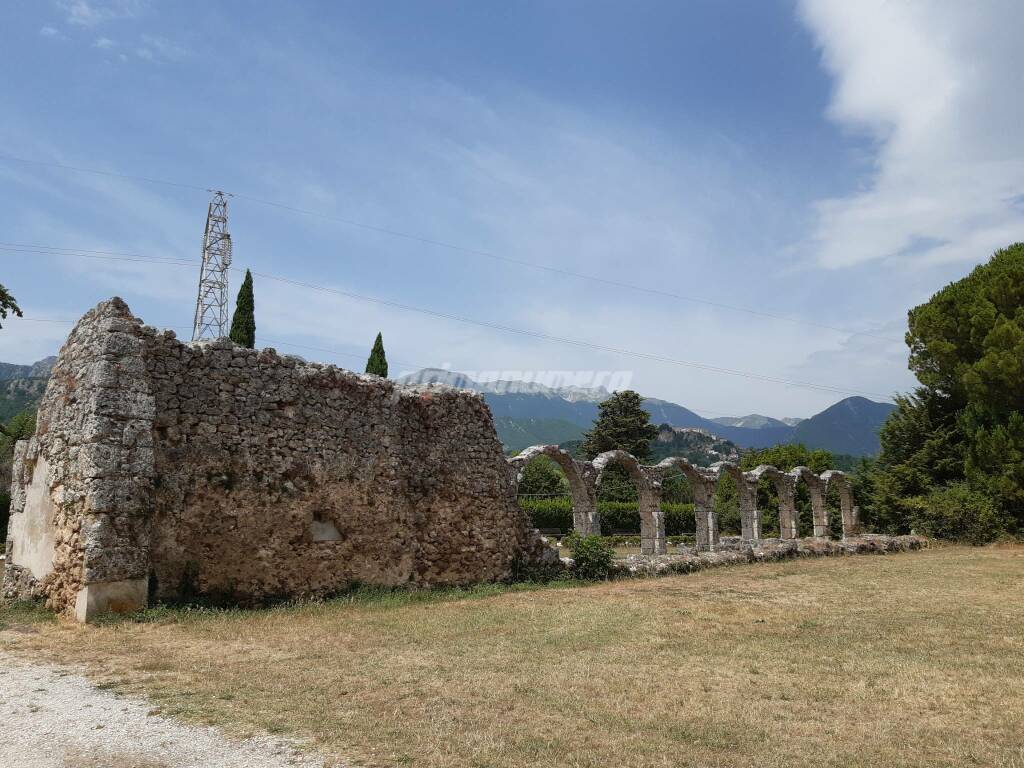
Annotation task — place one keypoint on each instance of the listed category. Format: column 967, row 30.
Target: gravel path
column 52, row 718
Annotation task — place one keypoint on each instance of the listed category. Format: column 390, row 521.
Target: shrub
column 959, row 513
column 592, row 557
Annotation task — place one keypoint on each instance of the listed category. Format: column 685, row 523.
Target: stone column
column 750, row 516
column 586, row 520
column 703, row 512
column 819, row 512
column 785, row 487
column 652, row 520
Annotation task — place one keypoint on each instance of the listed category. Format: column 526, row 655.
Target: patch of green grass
column 22, row 613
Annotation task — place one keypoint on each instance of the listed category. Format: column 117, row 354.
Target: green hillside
column 17, row 394
column 517, row 434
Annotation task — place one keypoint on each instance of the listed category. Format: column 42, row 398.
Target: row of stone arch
column 585, row 478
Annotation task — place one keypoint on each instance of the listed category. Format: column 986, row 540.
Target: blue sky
column 825, row 161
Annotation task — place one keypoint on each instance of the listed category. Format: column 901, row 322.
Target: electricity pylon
column 211, row 320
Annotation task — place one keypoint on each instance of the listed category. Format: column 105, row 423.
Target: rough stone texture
column 585, row 476
column 210, row 470
column 766, row 550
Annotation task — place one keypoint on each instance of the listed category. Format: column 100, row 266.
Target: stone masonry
column 162, row 470
column 584, row 477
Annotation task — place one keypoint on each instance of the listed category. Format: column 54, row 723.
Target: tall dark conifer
column 622, row 424
column 377, row 364
column 243, row 322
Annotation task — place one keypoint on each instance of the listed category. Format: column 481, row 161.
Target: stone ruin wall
column 584, row 477
column 163, row 470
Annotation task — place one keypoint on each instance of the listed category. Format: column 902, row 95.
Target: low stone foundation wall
column 737, row 551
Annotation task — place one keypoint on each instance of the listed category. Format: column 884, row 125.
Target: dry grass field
column 913, row 659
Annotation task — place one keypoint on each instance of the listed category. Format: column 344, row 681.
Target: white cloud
column 91, row 13
column 163, row 48
column 104, row 43
column 144, row 53
column 936, row 89
column 51, row 32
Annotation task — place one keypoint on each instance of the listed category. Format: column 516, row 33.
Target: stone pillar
column 703, row 512
column 851, row 523
column 750, row 516
column 785, row 487
column 819, row 512
column 586, row 520
column 652, row 520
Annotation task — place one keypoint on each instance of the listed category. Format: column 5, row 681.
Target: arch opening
column 746, row 499
column 810, row 502
column 551, row 464
column 701, row 487
column 648, row 483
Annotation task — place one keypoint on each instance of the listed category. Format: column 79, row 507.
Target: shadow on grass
column 375, row 598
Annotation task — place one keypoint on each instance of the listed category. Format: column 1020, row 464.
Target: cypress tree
column 377, row 364
column 243, row 322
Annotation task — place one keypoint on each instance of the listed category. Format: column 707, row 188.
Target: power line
column 537, row 334
column 470, row 251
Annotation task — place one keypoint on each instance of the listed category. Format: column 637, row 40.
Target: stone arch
column 746, row 486
column 840, row 480
column 582, row 488
column 648, row 485
column 702, row 483
column 785, row 489
column 816, row 488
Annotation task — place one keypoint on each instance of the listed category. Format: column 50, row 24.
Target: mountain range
column 22, row 385
column 526, row 413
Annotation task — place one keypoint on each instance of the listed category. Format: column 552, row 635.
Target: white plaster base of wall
column 110, row 597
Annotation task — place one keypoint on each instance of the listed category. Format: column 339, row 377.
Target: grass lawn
column 913, row 659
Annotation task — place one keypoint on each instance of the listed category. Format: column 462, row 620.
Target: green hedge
column 616, row 516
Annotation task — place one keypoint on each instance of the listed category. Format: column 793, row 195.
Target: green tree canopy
column 542, row 477
column 243, row 322
column 8, row 304
column 621, row 424
column 377, row 364
column 965, row 423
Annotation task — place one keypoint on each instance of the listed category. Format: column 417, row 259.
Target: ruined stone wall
column 187, row 470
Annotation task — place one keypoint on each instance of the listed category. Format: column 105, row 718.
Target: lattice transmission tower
column 212, row 305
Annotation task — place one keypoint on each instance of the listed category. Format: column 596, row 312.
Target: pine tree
column 8, row 304
column 622, row 424
column 243, row 322
column 377, row 364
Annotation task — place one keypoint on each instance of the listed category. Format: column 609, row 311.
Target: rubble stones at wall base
column 767, row 550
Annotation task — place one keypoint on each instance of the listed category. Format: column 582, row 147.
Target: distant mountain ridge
column 39, row 369
column 22, row 386
column 848, row 427
column 755, row 421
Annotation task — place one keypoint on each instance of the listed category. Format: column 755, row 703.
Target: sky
column 730, row 205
